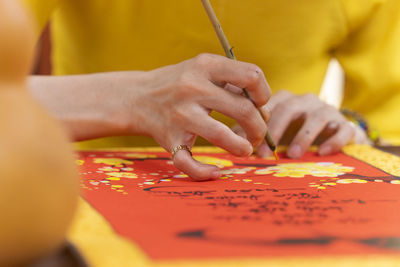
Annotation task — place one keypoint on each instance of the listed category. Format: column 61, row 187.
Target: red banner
column 309, row 207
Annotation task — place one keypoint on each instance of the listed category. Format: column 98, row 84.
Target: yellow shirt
column 292, row 41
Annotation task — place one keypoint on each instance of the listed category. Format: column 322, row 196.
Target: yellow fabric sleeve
column 97, row 36
column 371, row 59
column 41, row 10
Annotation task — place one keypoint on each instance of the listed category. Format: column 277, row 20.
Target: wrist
column 128, row 96
column 118, row 96
column 90, row 105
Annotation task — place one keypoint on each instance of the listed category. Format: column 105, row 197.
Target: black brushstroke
column 392, row 243
column 146, row 159
column 254, row 164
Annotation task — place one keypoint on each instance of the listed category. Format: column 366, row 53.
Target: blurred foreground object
column 38, row 179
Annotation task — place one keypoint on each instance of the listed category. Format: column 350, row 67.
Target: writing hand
column 175, row 107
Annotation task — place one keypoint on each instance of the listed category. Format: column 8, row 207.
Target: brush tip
column 276, row 155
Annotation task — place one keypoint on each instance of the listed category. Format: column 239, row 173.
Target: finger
column 330, row 129
column 334, row 144
column 240, row 109
column 184, row 162
column 263, row 151
column 233, row 89
column 238, row 130
column 265, row 112
column 313, row 125
column 292, row 109
column 360, row 136
column 240, row 74
column 278, row 97
column 290, row 132
column 281, row 117
column 220, row 135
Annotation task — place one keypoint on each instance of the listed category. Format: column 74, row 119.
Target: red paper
column 332, row 205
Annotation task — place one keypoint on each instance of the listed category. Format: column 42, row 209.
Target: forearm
column 90, row 106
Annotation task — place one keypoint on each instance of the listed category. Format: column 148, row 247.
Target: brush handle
column 229, row 53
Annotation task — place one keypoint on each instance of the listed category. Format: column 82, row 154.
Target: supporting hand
column 304, row 119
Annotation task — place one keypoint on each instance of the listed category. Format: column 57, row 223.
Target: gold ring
column 180, row 147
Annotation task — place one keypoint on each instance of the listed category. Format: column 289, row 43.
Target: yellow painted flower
column 79, row 162
column 140, row 156
column 214, row 161
column 113, row 178
column 108, row 169
column 299, row 170
column 182, row 175
column 291, row 173
column 264, row 171
column 237, row 171
column 351, row 181
column 117, row 162
column 122, row 174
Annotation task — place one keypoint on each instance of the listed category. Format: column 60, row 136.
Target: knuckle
column 186, row 86
column 288, row 108
column 254, row 74
column 310, row 97
column 204, row 60
column 179, row 115
column 185, row 81
column 320, row 115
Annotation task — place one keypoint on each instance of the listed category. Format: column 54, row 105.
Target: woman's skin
column 301, row 120
column 38, row 179
column 170, row 104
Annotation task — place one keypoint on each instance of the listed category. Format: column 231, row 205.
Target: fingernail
column 325, row 150
column 215, row 174
column 294, row 151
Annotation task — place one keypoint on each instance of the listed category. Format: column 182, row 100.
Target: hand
column 171, row 104
column 301, row 120
column 174, row 103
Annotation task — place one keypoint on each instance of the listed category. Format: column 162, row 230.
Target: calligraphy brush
column 229, row 53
